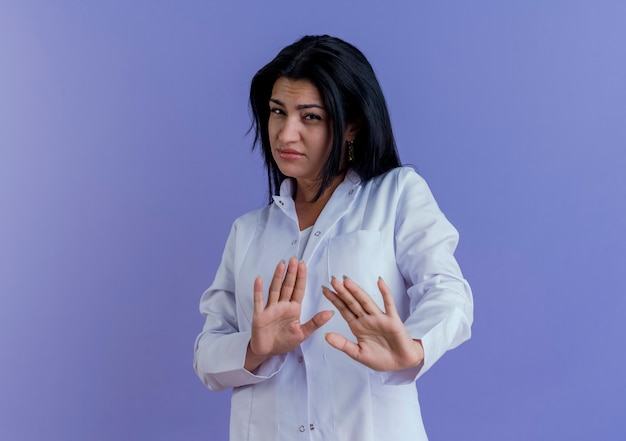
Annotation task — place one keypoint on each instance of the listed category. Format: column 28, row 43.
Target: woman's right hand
column 276, row 327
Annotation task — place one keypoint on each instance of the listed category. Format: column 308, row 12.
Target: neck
column 306, row 190
column 307, row 209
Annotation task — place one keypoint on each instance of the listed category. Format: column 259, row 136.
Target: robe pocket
column 358, row 256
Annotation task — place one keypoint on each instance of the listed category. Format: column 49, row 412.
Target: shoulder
column 403, row 188
column 398, row 179
column 243, row 229
column 251, row 218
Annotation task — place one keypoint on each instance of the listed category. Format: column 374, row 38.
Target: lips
column 289, row 154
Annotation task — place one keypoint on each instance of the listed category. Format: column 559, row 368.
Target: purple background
column 124, row 159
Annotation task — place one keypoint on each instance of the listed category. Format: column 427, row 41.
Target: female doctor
column 351, row 242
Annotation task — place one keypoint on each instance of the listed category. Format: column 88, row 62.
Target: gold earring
column 350, row 151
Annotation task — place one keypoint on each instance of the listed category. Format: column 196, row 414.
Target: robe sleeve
column 441, row 304
column 220, row 349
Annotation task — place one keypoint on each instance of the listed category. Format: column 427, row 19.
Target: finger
column 277, row 281
column 341, row 343
column 389, row 303
column 286, row 290
column 298, row 290
column 364, row 299
column 316, row 322
column 258, row 295
column 338, row 303
column 347, row 297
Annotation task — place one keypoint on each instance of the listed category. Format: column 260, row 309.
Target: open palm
column 383, row 343
column 276, row 327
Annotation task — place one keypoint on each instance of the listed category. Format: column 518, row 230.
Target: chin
column 289, row 170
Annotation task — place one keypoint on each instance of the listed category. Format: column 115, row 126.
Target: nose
column 289, row 131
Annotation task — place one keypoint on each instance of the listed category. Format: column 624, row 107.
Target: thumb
column 316, row 322
column 341, row 343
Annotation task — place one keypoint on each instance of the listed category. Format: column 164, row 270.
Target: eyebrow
column 299, row 106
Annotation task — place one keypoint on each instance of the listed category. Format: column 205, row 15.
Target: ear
column 352, row 129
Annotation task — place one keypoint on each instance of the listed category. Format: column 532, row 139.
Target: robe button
column 300, row 359
column 317, row 233
column 293, row 242
column 301, row 429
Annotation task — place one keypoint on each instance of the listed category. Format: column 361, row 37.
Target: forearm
column 219, row 361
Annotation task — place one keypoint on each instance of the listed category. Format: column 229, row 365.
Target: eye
column 276, row 111
column 312, row 116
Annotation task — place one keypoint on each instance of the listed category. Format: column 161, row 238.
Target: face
column 300, row 131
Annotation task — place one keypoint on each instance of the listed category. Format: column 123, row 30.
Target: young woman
column 351, row 242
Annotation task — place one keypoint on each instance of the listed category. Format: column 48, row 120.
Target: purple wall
column 124, row 159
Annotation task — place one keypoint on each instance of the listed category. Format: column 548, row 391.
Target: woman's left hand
column 383, row 343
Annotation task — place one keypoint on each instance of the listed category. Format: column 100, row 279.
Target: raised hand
column 276, row 327
column 383, row 343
